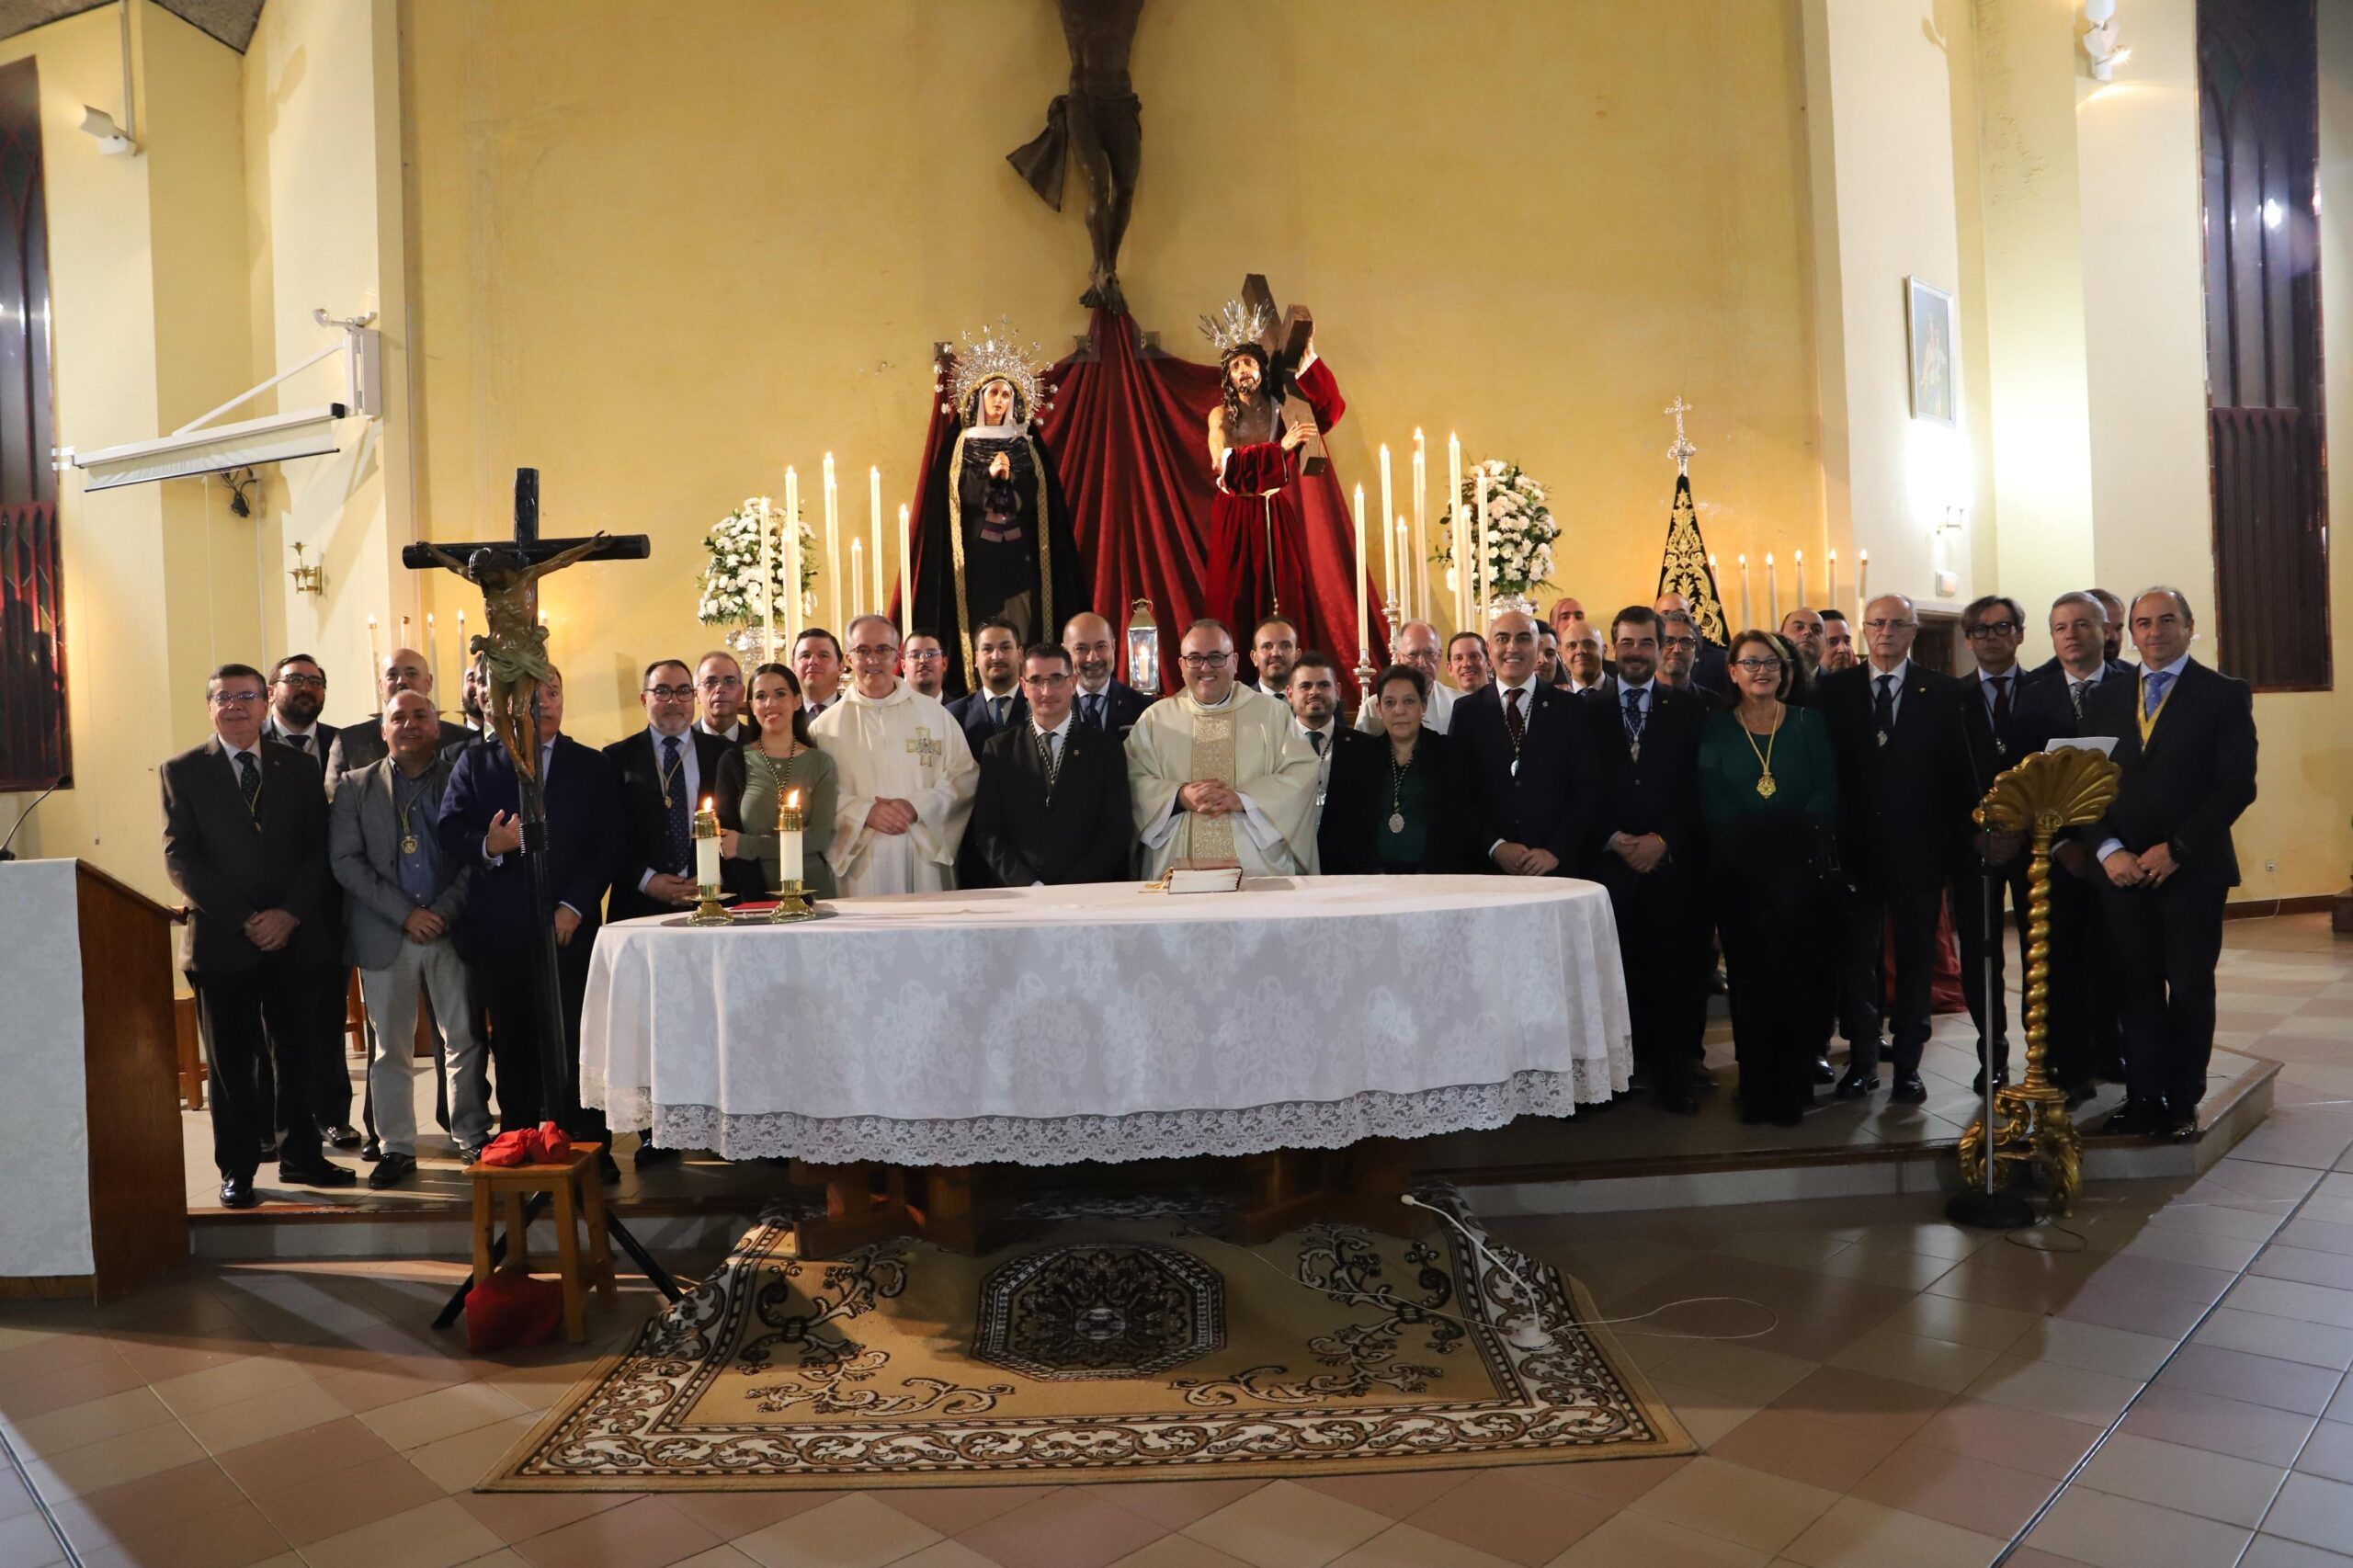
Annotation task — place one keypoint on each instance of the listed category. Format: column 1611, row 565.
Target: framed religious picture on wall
column 1936, row 378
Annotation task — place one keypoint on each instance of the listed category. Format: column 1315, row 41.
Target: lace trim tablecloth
column 1049, row 1025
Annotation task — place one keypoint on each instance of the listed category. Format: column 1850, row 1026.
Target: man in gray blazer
column 404, row 897
column 357, row 746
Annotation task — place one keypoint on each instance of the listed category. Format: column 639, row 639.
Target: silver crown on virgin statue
column 1236, row 326
column 992, row 356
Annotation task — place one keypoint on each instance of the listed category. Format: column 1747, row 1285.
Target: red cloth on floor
column 512, row 1310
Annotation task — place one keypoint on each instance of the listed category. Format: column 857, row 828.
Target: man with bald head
column 1531, row 759
column 355, row 746
column 1583, row 666
column 1418, row 644
column 1903, row 804
column 1101, row 700
column 1220, row 772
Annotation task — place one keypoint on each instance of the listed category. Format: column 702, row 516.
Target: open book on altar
column 1200, row 876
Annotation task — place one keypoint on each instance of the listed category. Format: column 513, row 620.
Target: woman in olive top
column 1401, row 804
column 749, row 778
column 1770, row 802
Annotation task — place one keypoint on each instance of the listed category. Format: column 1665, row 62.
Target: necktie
column 2001, row 701
column 1883, row 711
column 2153, row 691
column 1634, row 717
column 677, row 828
column 1090, row 708
column 997, row 706
column 300, row 743
column 248, row 779
column 1315, row 739
column 1514, row 722
column 2075, row 696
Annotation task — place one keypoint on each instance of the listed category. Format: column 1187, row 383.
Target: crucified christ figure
column 513, row 647
column 1100, row 119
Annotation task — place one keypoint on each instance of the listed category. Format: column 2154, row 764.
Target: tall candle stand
column 791, row 900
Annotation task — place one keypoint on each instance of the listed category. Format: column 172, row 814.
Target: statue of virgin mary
column 994, row 539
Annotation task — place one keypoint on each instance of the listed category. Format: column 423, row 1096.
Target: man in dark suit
column 997, row 704
column 357, row 746
column 664, row 770
column 1530, row 751
column 2085, row 1033
column 479, row 827
column 245, row 840
column 817, row 660
column 2186, row 742
column 719, row 695
column 1903, row 804
column 1708, row 668
column 1052, row 802
column 1995, row 732
column 1313, row 698
column 1103, row 700
column 1645, row 849
column 297, row 689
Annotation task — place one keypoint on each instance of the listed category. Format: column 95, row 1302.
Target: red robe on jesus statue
column 1255, row 538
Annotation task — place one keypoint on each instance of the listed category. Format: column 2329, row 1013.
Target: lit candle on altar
column 1744, row 618
column 906, row 574
column 1799, row 603
column 792, row 554
column 1364, row 641
column 856, row 578
column 1387, row 510
column 833, row 545
column 788, row 841
column 1862, row 580
column 767, row 591
column 874, row 514
column 1486, row 589
column 1830, row 594
column 1772, row 592
column 706, row 847
column 1417, row 601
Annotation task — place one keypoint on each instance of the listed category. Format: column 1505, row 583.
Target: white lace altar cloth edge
column 1041, row 1026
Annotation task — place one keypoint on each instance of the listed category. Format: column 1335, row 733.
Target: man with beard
column 926, row 663
column 1706, row 659
column 1837, row 642
column 1274, row 648
column 1252, row 546
column 1466, row 661
column 1801, row 628
column 1416, row 645
column 996, row 703
column 1314, row 699
column 1103, row 701
column 298, row 690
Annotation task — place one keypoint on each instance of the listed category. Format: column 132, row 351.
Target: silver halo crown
column 993, row 356
column 1235, row 325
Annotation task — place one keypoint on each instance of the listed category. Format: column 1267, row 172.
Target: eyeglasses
column 1994, row 628
column 1756, row 666
column 1682, row 642
column 234, row 698
column 674, row 693
column 300, row 682
column 710, row 683
column 1889, row 625
column 1203, row 661
column 873, row 650
column 1052, row 679
column 930, row 656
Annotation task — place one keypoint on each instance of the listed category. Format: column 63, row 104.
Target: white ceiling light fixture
column 201, row 447
column 2100, row 43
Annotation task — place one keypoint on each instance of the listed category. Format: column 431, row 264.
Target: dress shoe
column 472, row 1152
column 1908, row 1090
column 320, row 1172
column 372, row 1150
column 1855, row 1085
column 650, row 1157
column 237, row 1192
column 1682, row 1102
column 1703, row 1081
column 607, row 1170
column 1717, row 984
column 2181, row 1124
column 341, row 1134
column 1977, row 1084
column 391, row 1170
column 2138, row 1118
column 1822, row 1071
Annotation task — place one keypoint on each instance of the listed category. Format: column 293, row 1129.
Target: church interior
column 880, row 1179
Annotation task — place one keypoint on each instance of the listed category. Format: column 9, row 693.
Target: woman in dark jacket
column 1406, row 805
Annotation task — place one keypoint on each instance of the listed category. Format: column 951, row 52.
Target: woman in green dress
column 1770, row 800
column 750, row 776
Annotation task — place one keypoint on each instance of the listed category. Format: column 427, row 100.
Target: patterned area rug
column 1119, row 1344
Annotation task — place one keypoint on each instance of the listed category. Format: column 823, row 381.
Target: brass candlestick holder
column 791, row 901
column 2043, row 796
column 707, row 891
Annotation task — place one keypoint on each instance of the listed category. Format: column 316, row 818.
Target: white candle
column 1862, row 581
column 856, row 578
column 788, row 867
column 768, row 592
column 1418, row 599
column 1387, row 510
column 1462, row 551
column 792, row 554
column 1388, row 562
column 465, row 655
column 1744, row 621
column 1485, row 591
column 1772, row 593
column 1400, row 585
column 1830, row 594
column 1364, row 642
column 874, row 514
column 374, row 657
column 906, row 576
column 707, row 852
column 1799, row 603
column 433, row 656
column 833, row 547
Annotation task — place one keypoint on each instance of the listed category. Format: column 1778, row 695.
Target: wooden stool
column 579, row 1197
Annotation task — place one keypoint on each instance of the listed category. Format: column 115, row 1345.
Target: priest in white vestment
column 907, row 775
column 1219, row 772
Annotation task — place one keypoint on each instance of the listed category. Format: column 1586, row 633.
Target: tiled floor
column 1885, row 1390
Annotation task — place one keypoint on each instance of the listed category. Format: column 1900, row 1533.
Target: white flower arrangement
column 1520, row 529
column 733, row 590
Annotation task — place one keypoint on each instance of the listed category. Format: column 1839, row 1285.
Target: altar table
column 1042, row 1026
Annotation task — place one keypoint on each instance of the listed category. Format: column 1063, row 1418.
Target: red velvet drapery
column 1128, row 437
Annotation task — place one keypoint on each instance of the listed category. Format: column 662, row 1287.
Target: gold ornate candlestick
column 2048, row 792
column 791, row 905
column 707, row 891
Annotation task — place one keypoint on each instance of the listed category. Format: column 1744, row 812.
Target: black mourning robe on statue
column 1018, row 557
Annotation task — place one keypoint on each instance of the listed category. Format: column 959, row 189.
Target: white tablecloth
column 1047, row 1025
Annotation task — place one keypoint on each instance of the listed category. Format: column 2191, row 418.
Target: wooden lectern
column 89, row 1125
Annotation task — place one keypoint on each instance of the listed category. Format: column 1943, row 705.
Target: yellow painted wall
column 661, row 263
